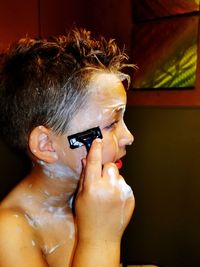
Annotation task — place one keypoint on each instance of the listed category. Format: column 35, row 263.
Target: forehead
column 107, row 89
column 106, row 96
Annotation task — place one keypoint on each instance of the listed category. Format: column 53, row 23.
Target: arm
column 98, row 254
column 17, row 243
column 104, row 206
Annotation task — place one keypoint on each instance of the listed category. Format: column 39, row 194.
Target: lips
column 119, row 163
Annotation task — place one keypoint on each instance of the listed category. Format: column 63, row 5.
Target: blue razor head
column 84, row 138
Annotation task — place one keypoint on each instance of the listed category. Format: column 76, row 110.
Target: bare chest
column 60, row 255
column 58, row 242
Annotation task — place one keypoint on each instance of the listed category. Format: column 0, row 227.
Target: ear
column 41, row 144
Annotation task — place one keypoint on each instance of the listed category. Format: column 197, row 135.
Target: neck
column 54, row 184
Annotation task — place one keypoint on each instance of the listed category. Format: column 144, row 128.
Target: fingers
column 82, row 176
column 93, row 167
column 110, row 171
column 126, row 190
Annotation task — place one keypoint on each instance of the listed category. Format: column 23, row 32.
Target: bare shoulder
column 17, row 241
column 14, row 229
column 12, row 220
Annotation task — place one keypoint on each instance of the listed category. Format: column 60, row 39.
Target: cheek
column 72, row 157
column 110, row 147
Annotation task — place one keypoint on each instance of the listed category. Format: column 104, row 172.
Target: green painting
column 165, row 52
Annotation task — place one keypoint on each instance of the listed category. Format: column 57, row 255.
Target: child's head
column 46, row 82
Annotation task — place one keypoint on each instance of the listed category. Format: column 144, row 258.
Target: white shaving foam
column 125, row 190
column 58, row 171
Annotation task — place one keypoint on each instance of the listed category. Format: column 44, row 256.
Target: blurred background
column 163, row 164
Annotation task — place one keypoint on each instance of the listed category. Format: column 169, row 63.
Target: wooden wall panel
column 56, row 17
column 17, row 19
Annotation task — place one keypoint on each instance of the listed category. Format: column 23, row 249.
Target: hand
column 104, row 203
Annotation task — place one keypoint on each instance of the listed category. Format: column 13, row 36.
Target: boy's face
column 104, row 108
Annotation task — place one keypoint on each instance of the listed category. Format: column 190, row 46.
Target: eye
column 111, row 126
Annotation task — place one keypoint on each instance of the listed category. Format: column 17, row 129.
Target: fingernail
column 98, row 140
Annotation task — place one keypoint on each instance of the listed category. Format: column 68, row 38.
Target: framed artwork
column 165, row 47
column 166, row 53
column 144, row 9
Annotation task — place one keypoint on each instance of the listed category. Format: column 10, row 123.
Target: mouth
column 119, row 163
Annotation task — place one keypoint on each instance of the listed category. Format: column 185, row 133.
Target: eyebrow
column 119, row 110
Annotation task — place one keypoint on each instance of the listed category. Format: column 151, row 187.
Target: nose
column 126, row 138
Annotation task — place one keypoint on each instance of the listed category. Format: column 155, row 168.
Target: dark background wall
column 163, row 169
column 162, row 166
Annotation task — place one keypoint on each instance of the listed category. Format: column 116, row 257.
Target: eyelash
column 111, row 125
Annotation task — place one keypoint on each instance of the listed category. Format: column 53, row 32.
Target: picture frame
column 175, row 34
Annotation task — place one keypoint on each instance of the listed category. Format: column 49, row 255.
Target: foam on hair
column 45, row 81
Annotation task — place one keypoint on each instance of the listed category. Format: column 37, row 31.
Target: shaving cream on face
column 101, row 100
column 109, row 84
column 101, row 103
column 107, row 96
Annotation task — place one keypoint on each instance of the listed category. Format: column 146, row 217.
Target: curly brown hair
column 45, row 81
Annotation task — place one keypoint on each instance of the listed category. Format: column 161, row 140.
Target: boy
column 50, row 90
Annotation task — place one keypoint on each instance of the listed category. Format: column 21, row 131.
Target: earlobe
column 41, row 144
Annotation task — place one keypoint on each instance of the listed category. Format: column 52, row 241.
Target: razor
column 84, row 138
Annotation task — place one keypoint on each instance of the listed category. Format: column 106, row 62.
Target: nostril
column 131, row 139
column 126, row 142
